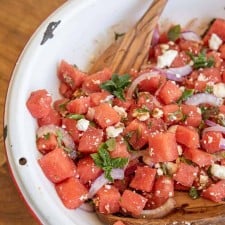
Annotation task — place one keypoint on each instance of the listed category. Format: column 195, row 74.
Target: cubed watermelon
column 87, row 170
column 72, row 192
column 90, row 140
column 132, row 202
column 108, row 199
column 143, row 179
column 185, row 174
column 215, row 192
column 163, row 147
column 187, row 136
column 57, row 166
column 105, row 115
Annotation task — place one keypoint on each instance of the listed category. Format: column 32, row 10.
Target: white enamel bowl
column 84, row 29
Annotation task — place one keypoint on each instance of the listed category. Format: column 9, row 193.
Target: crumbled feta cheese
column 159, row 171
column 171, row 167
column 202, row 77
column 113, row 132
column 164, row 47
column 203, row 179
column 121, row 111
column 157, row 113
column 215, row 42
column 82, row 124
column 166, row 58
column 141, row 115
column 180, row 150
column 218, row 171
column 219, row 90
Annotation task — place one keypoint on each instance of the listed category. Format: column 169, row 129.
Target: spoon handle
column 132, row 49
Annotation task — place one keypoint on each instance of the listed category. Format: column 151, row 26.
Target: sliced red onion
column 222, row 143
column 87, row 207
column 215, row 128
column 138, row 80
column 159, row 212
column 66, row 138
column 173, row 76
column 204, row 98
column 210, row 123
column 155, row 37
column 178, row 73
column 117, row 174
column 190, row 36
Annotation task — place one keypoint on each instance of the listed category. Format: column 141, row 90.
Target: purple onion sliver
column 210, row 123
column 190, row 36
column 97, row 184
column 180, row 71
column 117, row 174
column 155, row 37
column 215, row 128
column 87, row 207
column 222, row 143
column 173, row 76
column 101, row 181
column 204, row 98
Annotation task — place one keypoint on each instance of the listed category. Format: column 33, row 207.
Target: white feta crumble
column 166, row 58
column 157, row 113
column 141, row 115
column 120, row 110
column 203, row 180
column 180, row 150
column 219, row 90
column 82, row 124
column 159, row 171
column 113, row 132
column 202, row 77
column 218, row 171
column 215, row 42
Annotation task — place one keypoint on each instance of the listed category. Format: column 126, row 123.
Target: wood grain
column 18, row 20
column 132, row 50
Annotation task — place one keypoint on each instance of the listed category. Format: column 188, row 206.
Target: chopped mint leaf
column 103, row 160
column 75, row 116
column 174, row 33
column 117, row 84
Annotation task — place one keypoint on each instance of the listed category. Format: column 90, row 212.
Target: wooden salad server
column 131, row 52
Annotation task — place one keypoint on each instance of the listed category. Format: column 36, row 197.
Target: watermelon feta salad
column 124, row 143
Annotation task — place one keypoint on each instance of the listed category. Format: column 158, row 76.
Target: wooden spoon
column 131, row 50
column 187, row 212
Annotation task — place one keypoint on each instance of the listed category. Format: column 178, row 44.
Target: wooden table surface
column 18, row 20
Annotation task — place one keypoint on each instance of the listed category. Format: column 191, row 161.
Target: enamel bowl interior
column 81, row 30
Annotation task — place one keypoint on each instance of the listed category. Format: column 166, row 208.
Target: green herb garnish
column 209, row 89
column 117, row 84
column 201, row 61
column 174, row 33
column 75, row 116
column 185, row 160
column 208, row 112
column 46, row 136
column 118, row 35
column 193, row 193
column 142, row 110
column 111, row 144
column 103, row 160
column 59, row 137
column 185, row 95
